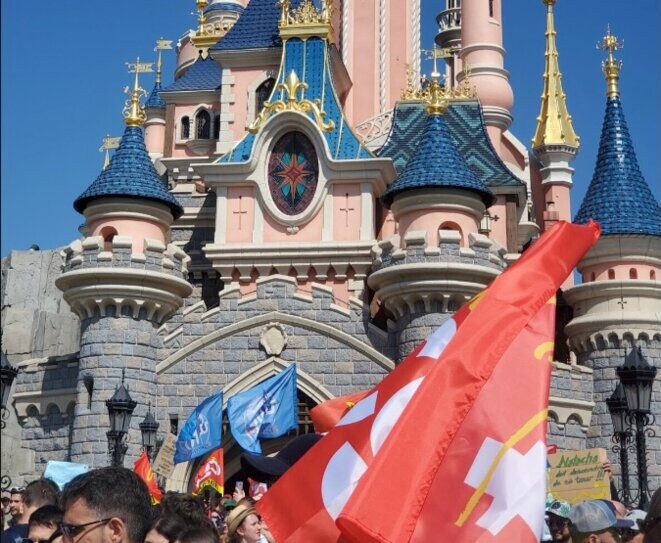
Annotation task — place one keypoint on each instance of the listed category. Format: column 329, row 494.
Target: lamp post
column 148, row 429
column 7, row 375
column 617, row 406
column 637, row 378
column 120, row 408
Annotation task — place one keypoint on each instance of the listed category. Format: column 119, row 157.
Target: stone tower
column 439, row 259
column 616, row 308
column 122, row 280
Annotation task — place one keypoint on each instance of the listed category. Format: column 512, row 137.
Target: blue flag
column 203, row 430
column 264, row 411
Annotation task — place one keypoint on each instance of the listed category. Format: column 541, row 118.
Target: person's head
column 187, row 507
column 39, row 493
column 651, row 525
column 228, row 505
column 633, row 535
column 6, row 497
column 199, row 535
column 594, row 521
column 106, row 504
column 244, row 525
column 16, row 505
column 558, row 515
column 43, row 524
column 165, row 528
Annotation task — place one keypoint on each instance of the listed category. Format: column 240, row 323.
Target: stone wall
column 36, row 321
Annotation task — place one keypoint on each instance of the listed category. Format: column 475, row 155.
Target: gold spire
column 611, row 66
column 305, row 20
column 207, row 34
column 161, row 44
column 554, row 126
column 437, row 101
column 134, row 111
column 109, row 142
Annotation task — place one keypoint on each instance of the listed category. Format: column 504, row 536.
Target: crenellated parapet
column 111, row 279
column 441, row 276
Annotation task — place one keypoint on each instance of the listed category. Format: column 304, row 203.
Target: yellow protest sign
column 578, row 475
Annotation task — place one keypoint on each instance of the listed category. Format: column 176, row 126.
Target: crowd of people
column 113, row 505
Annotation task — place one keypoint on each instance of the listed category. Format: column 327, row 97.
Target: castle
column 297, row 194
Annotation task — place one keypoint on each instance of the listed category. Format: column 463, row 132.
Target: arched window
column 490, row 8
column 652, row 275
column 448, row 225
column 216, row 127
column 203, row 125
column 592, row 276
column 633, row 273
column 611, row 274
column 185, row 128
column 262, row 93
column 108, row 233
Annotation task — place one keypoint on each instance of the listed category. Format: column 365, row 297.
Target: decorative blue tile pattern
column 309, row 59
column 224, row 6
column 130, row 173
column 437, row 163
column 203, row 74
column 257, row 28
column 465, row 124
column 618, row 197
column 155, row 100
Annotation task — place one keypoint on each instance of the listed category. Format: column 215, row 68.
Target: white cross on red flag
column 451, row 444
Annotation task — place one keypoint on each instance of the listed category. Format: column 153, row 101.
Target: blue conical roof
column 155, row 100
column 618, row 197
column 131, row 174
column 437, row 163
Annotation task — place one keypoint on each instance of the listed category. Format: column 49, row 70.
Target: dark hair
column 188, row 508
column 168, row 525
column 41, row 492
column 113, row 492
column 47, row 515
column 199, row 535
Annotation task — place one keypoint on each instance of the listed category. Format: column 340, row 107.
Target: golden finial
column 292, row 86
column 437, row 98
column 201, row 5
column 305, row 20
column 611, row 66
column 134, row 111
column 161, row 44
column 412, row 91
column 207, row 34
column 109, row 142
column 554, row 124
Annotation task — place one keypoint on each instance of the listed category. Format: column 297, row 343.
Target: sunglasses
column 70, row 531
column 647, row 524
column 28, row 540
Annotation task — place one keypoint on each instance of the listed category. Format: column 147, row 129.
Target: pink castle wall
column 240, row 203
column 137, row 230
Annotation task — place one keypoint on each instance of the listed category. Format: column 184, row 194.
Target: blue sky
column 63, row 72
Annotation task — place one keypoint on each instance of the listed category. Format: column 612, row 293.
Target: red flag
column 210, row 473
column 326, row 415
column 430, row 450
column 142, row 467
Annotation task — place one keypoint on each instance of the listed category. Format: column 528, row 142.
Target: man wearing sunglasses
column 106, row 505
column 43, row 524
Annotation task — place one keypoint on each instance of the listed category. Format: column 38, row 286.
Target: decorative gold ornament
column 432, row 90
column 109, row 142
column 611, row 66
column 161, row 45
column 208, row 34
column 292, row 86
column 305, row 20
column 134, row 111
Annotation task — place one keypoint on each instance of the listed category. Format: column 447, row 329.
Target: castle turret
column 439, row 259
column 122, row 280
column 616, row 308
column 555, row 143
column 155, row 109
column 482, row 54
